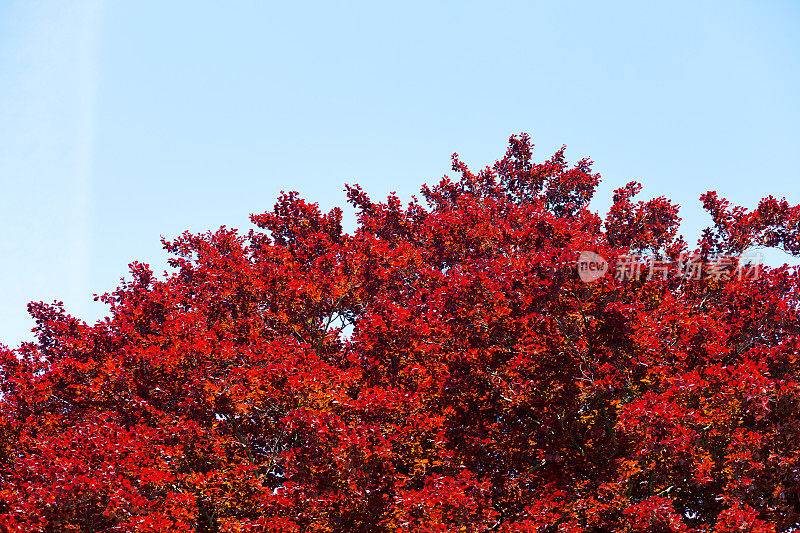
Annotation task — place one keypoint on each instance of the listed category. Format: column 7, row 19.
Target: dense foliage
column 442, row 369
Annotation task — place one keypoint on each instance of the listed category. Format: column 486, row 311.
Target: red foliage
column 442, row 369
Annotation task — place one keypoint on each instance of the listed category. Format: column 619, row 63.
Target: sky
column 121, row 122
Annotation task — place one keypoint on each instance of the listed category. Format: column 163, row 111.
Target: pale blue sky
column 124, row 121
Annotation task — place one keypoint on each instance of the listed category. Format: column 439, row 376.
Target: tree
column 444, row 368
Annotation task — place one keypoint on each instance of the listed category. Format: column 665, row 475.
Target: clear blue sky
column 124, row 121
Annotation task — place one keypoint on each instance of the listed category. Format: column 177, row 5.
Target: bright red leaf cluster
column 441, row 369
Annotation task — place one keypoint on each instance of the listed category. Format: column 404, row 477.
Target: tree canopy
column 443, row 368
